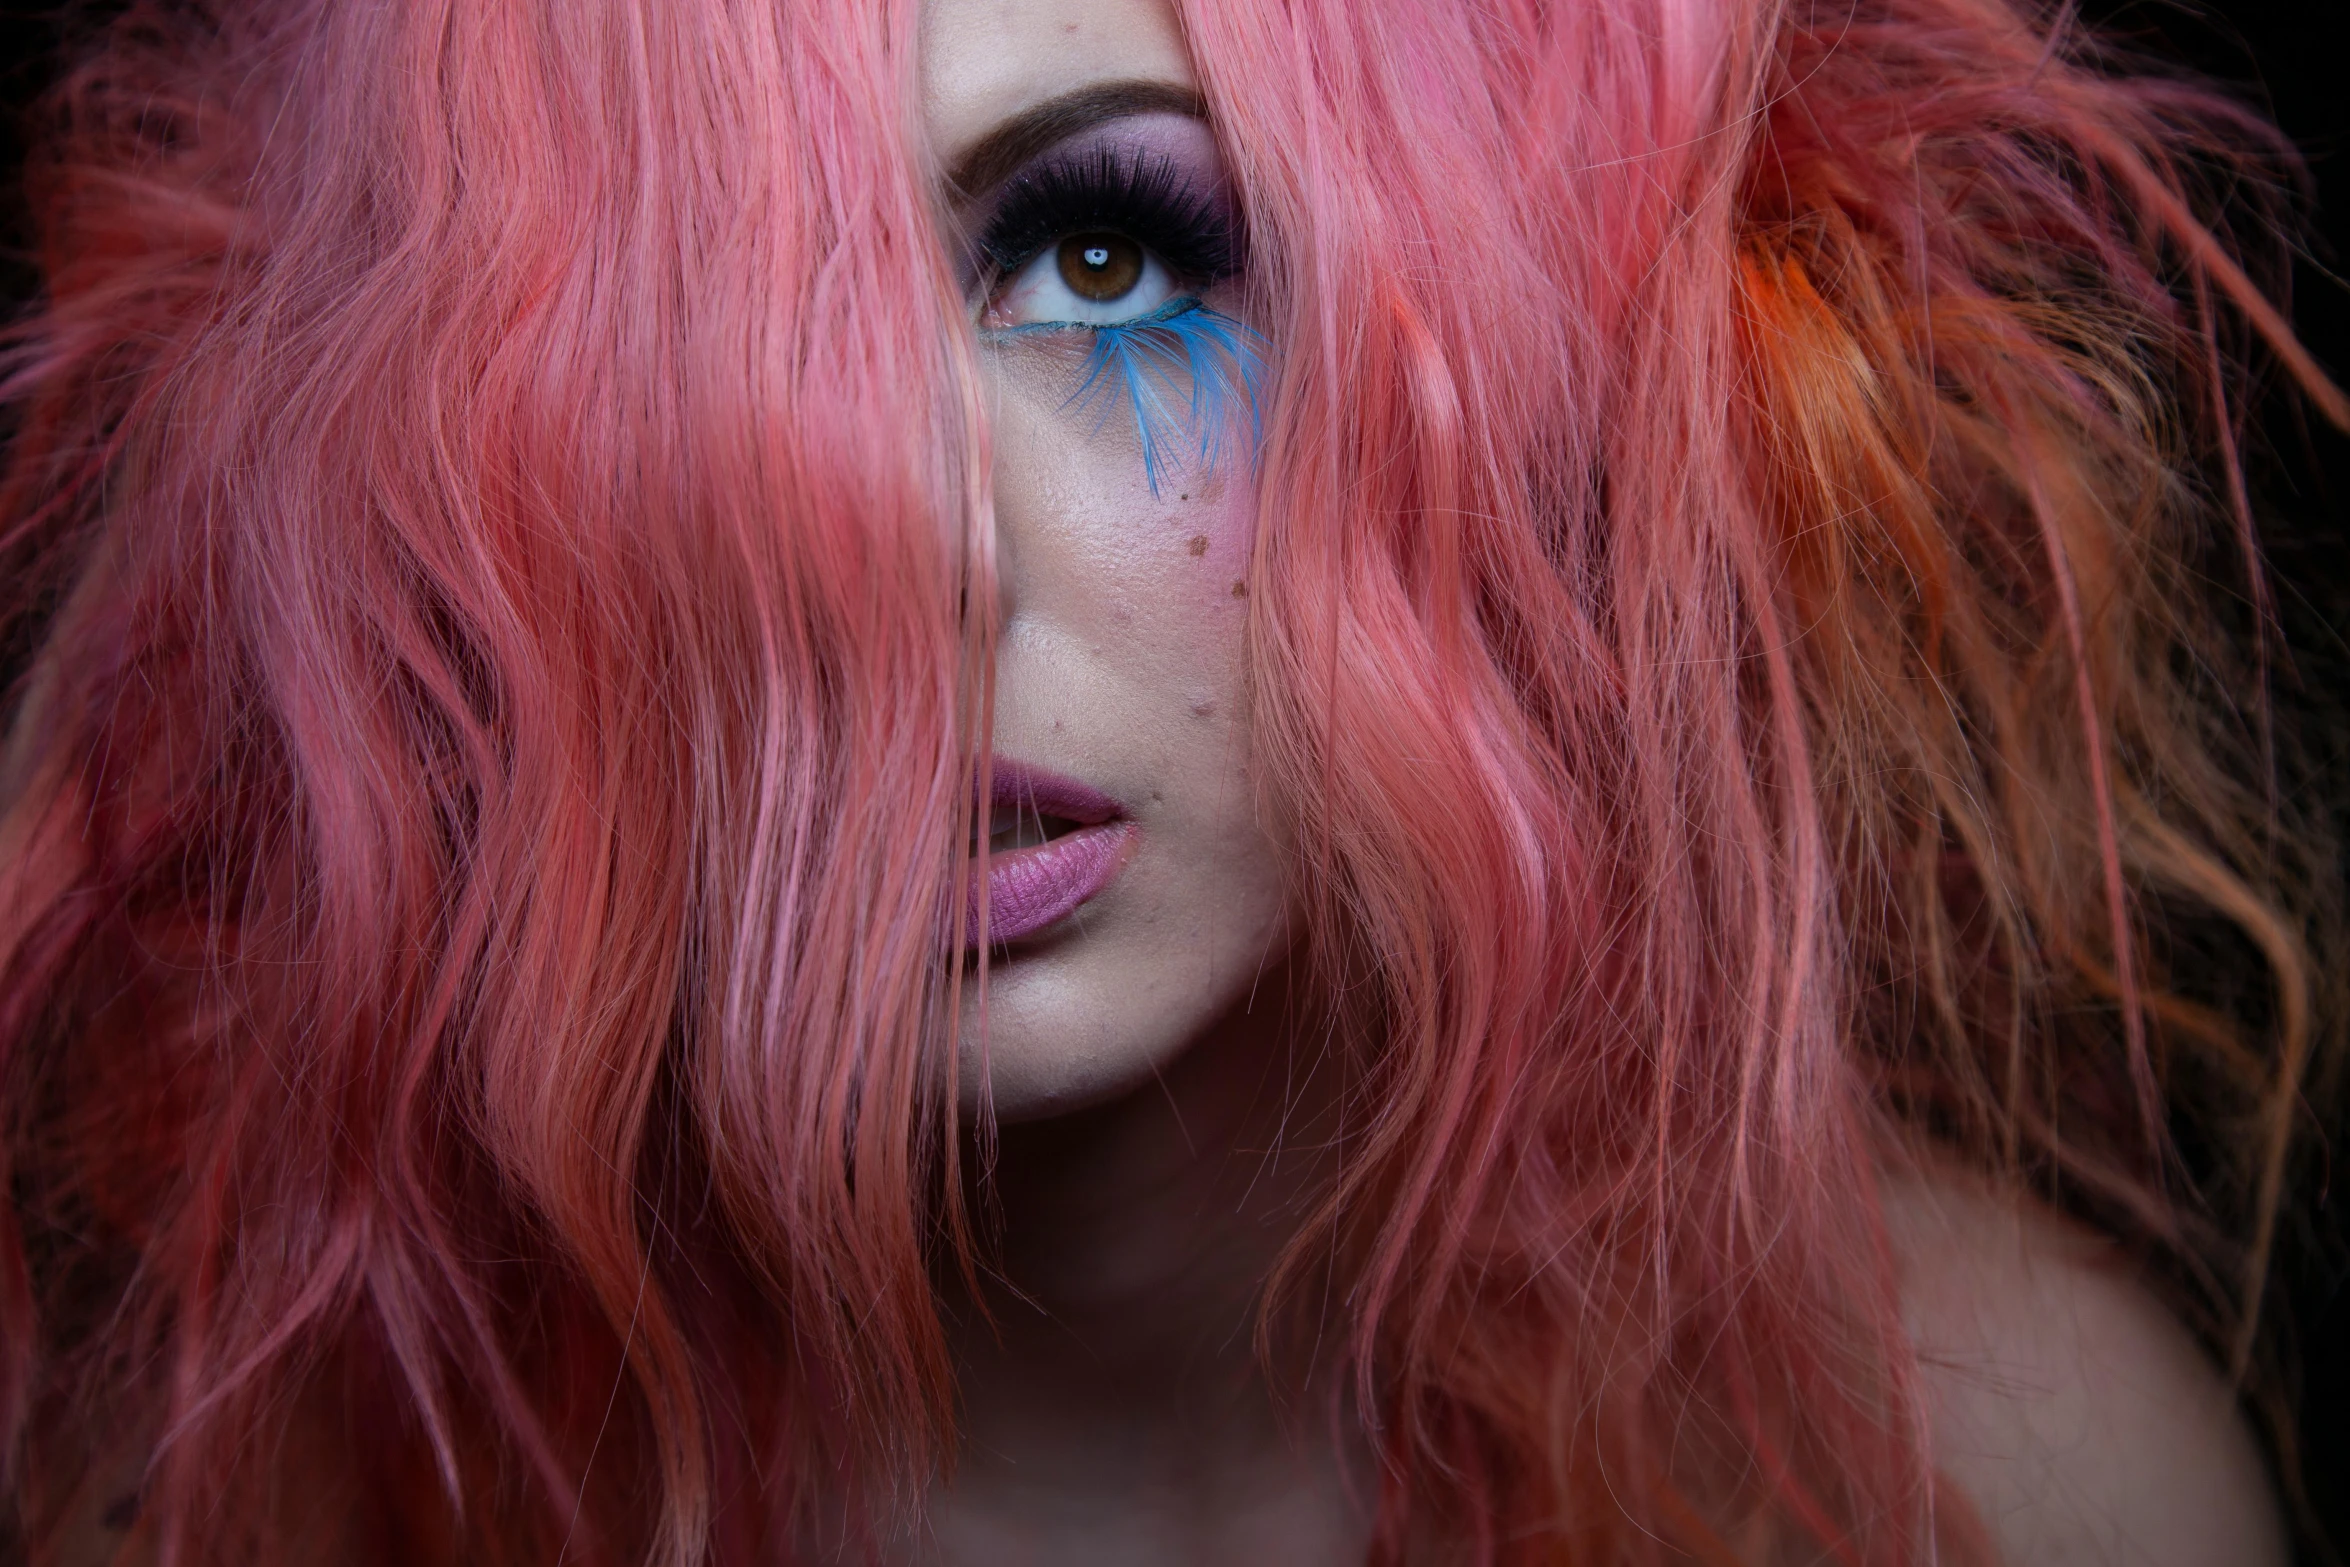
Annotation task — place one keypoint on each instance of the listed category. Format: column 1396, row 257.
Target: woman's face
column 1136, row 877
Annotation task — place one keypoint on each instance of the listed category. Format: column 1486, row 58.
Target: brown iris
column 1100, row 267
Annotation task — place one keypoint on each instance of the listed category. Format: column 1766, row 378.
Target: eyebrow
column 999, row 154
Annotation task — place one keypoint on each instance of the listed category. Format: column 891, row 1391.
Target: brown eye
column 1100, row 267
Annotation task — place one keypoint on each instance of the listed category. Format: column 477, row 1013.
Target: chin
column 1105, row 1007
column 1064, row 1030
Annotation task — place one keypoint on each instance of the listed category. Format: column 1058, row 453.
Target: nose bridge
column 1007, row 498
column 1000, row 530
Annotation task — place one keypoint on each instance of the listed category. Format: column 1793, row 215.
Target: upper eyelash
column 1148, row 198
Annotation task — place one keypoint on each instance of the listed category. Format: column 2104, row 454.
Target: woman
column 1009, row 781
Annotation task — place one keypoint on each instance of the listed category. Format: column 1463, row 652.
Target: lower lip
column 1032, row 888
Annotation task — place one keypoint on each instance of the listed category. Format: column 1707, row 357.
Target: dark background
column 2281, row 54
column 2289, row 56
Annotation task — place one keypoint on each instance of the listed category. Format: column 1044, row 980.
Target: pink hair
column 496, row 499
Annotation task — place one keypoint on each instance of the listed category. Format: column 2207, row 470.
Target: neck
column 1109, row 1367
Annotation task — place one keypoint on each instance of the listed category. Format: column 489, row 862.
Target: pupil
column 1100, row 267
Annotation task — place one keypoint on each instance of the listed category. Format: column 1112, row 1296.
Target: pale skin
column 1116, row 1411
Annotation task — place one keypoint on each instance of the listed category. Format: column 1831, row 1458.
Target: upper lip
column 1027, row 788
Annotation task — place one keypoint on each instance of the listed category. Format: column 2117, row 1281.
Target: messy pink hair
column 494, row 531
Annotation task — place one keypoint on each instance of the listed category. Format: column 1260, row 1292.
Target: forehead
column 984, row 61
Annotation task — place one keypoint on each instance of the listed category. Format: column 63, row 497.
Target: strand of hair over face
column 502, row 580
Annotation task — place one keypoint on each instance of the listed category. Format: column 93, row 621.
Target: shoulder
column 2080, row 1419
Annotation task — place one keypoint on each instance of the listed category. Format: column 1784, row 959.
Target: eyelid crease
column 1019, row 140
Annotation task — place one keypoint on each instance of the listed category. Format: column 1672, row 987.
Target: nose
column 1019, row 492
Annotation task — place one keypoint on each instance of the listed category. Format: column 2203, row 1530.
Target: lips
column 1053, row 844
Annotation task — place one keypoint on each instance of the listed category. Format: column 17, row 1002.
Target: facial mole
column 1198, row 544
column 1203, row 709
column 1240, row 590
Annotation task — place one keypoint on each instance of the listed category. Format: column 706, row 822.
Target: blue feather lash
column 1180, row 367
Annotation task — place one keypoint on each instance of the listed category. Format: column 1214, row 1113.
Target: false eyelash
column 1180, row 367
column 1150, row 199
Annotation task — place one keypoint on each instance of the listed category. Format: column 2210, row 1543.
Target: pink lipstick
column 1053, row 843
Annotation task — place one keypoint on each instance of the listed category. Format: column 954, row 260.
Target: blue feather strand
column 1181, row 369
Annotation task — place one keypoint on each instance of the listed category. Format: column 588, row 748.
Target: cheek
column 1218, row 524
column 1086, row 537
column 1191, row 611
column 1152, row 590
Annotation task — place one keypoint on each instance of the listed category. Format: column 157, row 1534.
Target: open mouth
column 1020, row 825
column 1052, row 845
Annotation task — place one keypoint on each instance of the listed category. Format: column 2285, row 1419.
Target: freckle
column 1198, row 544
column 1240, row 590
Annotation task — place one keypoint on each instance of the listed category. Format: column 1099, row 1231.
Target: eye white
column 1038, row 294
